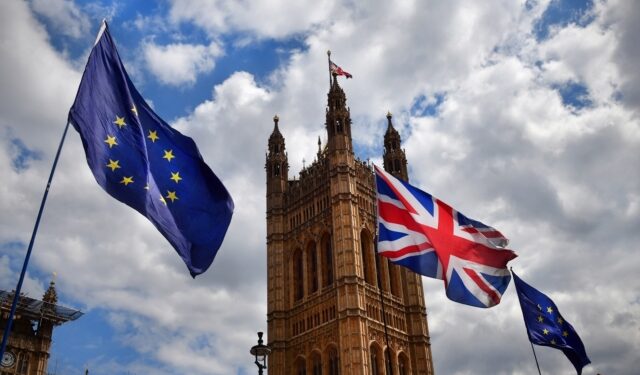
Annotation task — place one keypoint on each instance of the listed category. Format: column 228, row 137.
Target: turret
column 277, row 165
column 395, row 160
column 338, row 119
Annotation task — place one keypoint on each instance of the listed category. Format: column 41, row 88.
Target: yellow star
column 171, row 195
column 162, row 200
column 176, row 177
column 560, row 320
column 549, row 309
column 134, row 110
column 565, row 333
column 540, row 319
column 153, row 135
column 127, row 180
column 168, row 155
column 113, row 164
column 545, row 331
column 111, row 141
column 120, row 122
column 553, row 342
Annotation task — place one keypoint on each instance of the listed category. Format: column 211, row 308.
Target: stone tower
column 27, row 351
column 334, row 306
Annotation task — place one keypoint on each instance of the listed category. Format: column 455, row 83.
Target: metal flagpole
column 535, row 357
column 16, row 296
column 384, row 313
column 329, row 64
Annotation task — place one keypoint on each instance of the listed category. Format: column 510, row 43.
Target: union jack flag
column 426, row 235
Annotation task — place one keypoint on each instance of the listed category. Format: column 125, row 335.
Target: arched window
column 375, row 360
column 334, row 363
column 312, row 268
column 300, row 367
column 316, row 364
column 387, row 361
column 368, row 264
column 403, row 367
column 327, row 266
column 396, row 165
column 394, row 274
column 276, row 170
column 298, row 275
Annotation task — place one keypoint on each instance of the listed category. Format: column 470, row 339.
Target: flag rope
column 16, row 296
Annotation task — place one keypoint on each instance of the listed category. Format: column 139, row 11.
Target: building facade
column 334, row 306
column 27, row 351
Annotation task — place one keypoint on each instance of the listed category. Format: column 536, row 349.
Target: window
column 328, row 260
column 367, row 262
column 387, row 361
column 312, row 268
column 298, row 275
column 300, row 367
column 276, row 170
column 316, row 364
column 374, row 363
column 334, row 364
column 402, row 365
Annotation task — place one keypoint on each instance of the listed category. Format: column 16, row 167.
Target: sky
column 521, row 114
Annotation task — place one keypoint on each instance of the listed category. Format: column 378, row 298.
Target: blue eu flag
column 545, row 325
column 141, row 161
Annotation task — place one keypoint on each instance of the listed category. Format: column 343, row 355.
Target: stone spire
column 395, row 160
column 338, row 119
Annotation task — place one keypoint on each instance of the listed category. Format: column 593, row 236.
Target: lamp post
column 261, row 352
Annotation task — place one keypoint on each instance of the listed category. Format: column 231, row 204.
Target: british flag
column 420, row 232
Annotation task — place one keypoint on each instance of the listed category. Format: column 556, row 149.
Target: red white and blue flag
column 338, row 70
column 419, row 231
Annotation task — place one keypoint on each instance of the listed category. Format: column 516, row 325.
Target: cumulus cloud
column 178, row 64
column 65, row 16
column 501, row 146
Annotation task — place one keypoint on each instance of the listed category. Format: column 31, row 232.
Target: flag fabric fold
column 338, row 70
column 141, row 161
column 424, row 234
column 546, row 326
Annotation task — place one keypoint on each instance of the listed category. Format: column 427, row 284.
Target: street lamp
column 261, row 352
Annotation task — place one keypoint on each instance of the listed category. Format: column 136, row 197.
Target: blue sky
column 522, row 114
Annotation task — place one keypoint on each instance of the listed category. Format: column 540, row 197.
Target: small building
column 27, row 351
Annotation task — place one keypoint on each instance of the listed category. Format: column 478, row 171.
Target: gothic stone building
column 27, row 351
column 326, row 313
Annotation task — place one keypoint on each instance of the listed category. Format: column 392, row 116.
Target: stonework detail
column 334, row 306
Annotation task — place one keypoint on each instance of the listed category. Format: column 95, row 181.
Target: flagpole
column 329, row 65
column 16, row 296
column 535, row 357
column 384, row 314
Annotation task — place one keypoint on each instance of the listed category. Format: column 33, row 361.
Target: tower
column 334, row 306
column 27, row 351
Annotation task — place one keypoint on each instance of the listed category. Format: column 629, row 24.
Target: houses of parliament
column 334, row 306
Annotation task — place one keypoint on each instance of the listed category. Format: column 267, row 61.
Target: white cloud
column 178, row 64
column 276, row 18
column 64, row 15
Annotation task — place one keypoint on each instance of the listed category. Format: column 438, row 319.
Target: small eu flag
column 141, row 161
column 545, row 325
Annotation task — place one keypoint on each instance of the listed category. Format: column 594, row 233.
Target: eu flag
column 141, row 161
column 545, row 325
